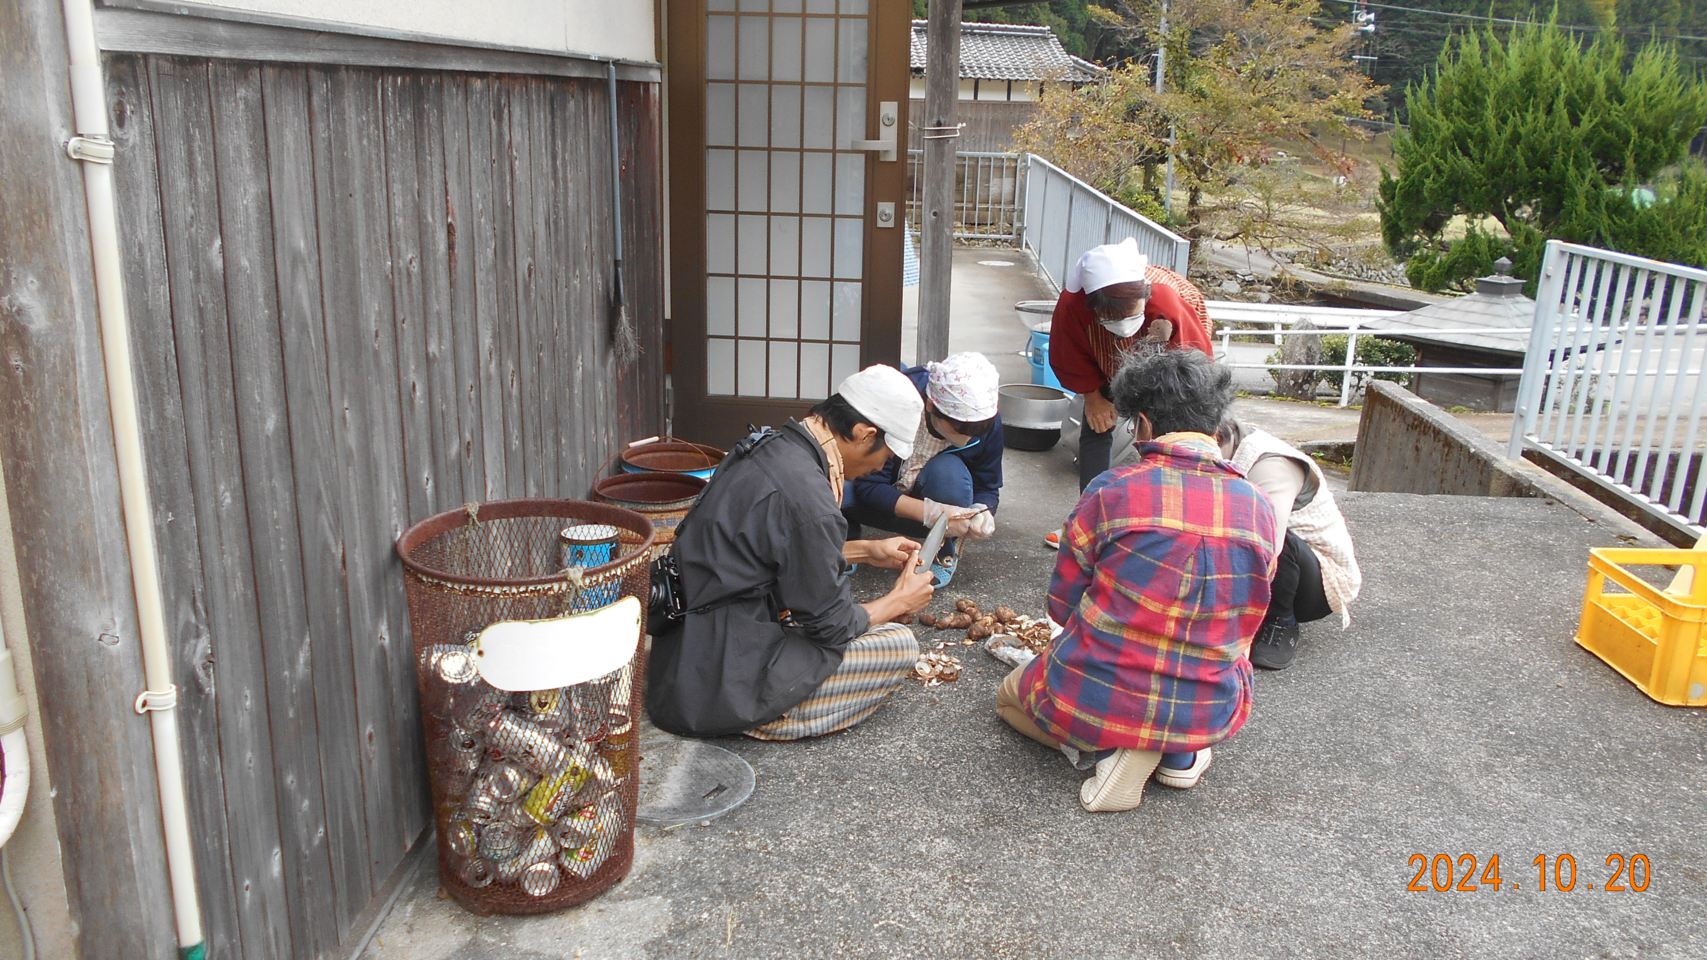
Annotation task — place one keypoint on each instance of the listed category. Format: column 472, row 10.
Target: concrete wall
column 606, row 28
column 1407, row 445
column 32, row 855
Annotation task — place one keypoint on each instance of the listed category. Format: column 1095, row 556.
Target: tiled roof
column 1478, row 311
column 1006, row 51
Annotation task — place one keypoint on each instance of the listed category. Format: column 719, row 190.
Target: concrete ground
column 1455, row 717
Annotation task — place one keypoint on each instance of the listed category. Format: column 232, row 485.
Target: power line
column 1472, row 16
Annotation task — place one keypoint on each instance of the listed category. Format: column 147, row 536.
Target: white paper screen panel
column 785, row 196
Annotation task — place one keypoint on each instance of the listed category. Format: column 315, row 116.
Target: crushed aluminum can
column 585, row 860
column 551, row 709
column 477, row 705
column 540, row 849
column 461, row 839
column 477, row 873
column 507, row 781
column 527, row 743
column 481, row 807
column 451, row 663
column 465, row 749
column 500, row 841
column 540, row 879
column 554, row 795
column 571, row 831
column 602, row 818
column 592, row 707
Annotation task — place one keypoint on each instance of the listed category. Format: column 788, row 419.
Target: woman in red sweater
column 1116, row 303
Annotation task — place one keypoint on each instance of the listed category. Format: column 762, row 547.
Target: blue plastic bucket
column 1037, row 354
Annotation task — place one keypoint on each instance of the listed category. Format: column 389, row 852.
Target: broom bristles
column 627, row 338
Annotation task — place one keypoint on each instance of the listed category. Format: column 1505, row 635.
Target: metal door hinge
column 91, row 149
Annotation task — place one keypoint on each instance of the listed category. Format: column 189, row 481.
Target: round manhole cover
column 686, row 780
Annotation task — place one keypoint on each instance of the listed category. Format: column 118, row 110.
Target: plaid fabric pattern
column 1162, row 582
column 874, row 664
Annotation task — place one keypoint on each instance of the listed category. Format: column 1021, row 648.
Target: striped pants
column 873, row 665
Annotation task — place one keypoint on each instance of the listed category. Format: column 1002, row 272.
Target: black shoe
column 1275, row 645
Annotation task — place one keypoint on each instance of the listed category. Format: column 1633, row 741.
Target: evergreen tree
column 1548, row 138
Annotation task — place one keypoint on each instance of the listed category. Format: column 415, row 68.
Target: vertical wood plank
column 400, row 93
column 526, row 424
column 489, row 279
column 148, row 284
column 588, row 371
column 564, row 380
column 436, row 307
column 460, row 244
column 505, row 272
column 543, row 350
column 258, row 374
column 646, row 184
column 189, row 188
column 325, row 645
column 355, row 284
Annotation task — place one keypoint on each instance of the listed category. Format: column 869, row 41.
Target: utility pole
column 1161, row 79
column 940, row 135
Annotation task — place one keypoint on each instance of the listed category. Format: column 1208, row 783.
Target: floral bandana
column 964, row 387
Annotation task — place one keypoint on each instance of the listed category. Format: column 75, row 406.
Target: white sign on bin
column 523, row 655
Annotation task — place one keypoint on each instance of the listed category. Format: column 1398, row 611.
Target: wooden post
column 939, row 136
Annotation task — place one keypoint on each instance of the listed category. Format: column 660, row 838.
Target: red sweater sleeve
column 1070, row 345
column 1165, row 301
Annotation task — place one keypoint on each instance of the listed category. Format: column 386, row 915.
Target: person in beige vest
column 1317, row 572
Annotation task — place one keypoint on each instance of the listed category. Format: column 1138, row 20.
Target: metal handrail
column 1350, row 365
column 1065, row 216
column 1607, row 381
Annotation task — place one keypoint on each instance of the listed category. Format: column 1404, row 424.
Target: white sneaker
column 1119, row 781
column 1187, row 778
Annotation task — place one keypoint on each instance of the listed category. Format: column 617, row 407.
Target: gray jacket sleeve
column 812, row 582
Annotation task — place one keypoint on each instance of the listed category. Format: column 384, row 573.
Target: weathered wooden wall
column 990, row 124
column 358, row 297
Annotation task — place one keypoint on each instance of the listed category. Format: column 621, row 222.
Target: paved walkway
column 1454, row 718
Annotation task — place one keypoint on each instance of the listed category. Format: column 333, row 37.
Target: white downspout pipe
column 94, row 148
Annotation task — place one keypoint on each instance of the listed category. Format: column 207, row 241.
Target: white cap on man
column 1106, row 266
column 888, row 401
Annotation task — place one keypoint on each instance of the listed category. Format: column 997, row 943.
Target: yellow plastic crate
column 1654, row 637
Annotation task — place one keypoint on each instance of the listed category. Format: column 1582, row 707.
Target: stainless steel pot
column 1032, row 406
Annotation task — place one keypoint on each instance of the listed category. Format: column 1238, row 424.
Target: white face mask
column 1123, row 328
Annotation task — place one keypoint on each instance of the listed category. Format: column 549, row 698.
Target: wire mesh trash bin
column 534, row 793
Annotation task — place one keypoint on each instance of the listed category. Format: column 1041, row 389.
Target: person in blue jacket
column 955, row 468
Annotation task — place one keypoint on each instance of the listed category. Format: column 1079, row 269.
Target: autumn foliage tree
column 1540, row 136
column 1243, row 76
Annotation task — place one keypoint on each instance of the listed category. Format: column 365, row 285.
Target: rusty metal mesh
column 521, row 779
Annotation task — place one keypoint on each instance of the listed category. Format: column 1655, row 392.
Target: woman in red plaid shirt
column 1162, row 582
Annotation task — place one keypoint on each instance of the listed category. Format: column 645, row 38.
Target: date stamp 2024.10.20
column 1444, row 873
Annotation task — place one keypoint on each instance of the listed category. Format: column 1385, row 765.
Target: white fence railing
column 987, row 191
column 1064, row 216
column 1349, row 367
column 1612, row 382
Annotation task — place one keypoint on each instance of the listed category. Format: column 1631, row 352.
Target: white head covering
column 964, row 387
column 887, row 400
column 1106, row 266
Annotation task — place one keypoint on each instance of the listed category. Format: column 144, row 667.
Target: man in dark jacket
column 773, row 645
column 955, row 466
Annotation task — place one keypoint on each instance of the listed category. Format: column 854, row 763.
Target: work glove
column 981, row 526
column 959, row 518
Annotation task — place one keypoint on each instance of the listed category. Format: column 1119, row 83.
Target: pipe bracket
column 166, row 699
column 90, row 149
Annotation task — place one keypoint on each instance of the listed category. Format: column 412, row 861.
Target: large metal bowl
column 1032, row 415
column 1035, row 314
column 1033, row 406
